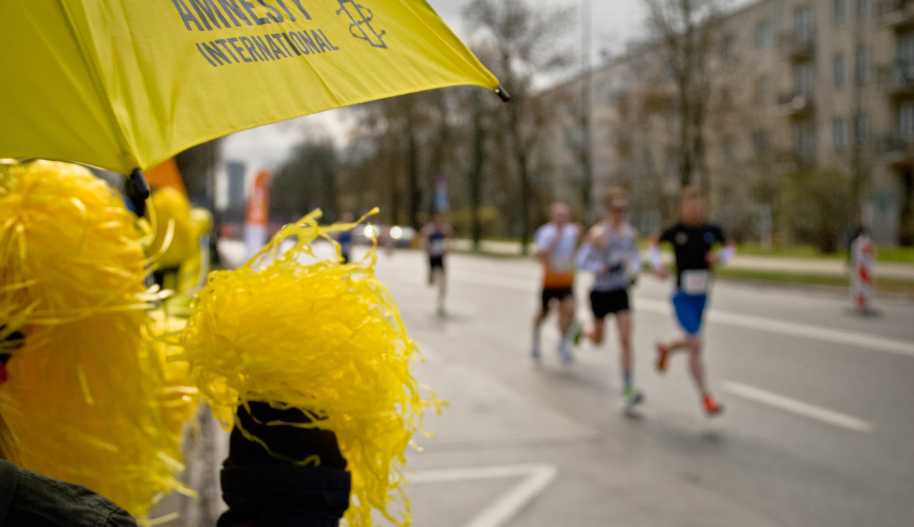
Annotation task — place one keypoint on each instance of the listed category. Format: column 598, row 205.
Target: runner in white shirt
column 556, row 245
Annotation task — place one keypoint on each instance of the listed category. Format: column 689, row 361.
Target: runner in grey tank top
column 611, row 252
column 614, row 259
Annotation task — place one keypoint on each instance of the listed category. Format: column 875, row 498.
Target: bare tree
column 526, row 45
column 306, row 181
column 480, row 132
column 686, row 31
column 398, row 129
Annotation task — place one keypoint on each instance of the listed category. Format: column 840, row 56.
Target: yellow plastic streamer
column 300, row 331
column 87, row 399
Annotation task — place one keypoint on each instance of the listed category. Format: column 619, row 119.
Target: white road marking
column 824, row 334
column 498, row 513
column 820, row 333
column 798, row 407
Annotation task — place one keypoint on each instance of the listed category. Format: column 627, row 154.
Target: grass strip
column 891, row 285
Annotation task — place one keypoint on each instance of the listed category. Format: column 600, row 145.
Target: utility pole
column 586, row 143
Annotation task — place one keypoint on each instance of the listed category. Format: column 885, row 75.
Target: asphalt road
column 818, row 427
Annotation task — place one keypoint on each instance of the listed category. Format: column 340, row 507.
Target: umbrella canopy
column 126, row 84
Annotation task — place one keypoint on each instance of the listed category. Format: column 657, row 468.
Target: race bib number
column 695, row 282
column 437, row 247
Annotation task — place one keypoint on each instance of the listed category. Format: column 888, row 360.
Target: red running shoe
column 712, row 407
column 662, row 352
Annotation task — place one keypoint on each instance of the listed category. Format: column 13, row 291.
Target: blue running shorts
column 689, row 311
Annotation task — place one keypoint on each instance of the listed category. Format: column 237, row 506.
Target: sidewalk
column 810, row 266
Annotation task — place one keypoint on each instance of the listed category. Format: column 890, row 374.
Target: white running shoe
column 575, row 332
column 564, row 352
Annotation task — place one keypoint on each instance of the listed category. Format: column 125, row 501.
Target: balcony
column 793, row 159
column 799, row 46
column 897, row 144
column 897, row 78
column 899, row 14
column 795, row 105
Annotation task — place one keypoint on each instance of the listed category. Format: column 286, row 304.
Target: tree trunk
column 479, row 153
column 685, row 139
column 442, row 151
column 520, row 156
column 412, row 167
column 685, row 81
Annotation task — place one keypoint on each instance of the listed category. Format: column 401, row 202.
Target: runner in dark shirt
column 435, row 238
column 693, row 240
column 345, row 238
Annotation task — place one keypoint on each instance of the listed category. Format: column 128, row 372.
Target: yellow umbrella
column 125, row 84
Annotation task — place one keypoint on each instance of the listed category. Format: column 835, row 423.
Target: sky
column 614, row 22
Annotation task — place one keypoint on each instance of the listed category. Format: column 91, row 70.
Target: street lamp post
column 586, row 146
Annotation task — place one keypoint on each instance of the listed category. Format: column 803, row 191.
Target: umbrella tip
column 502, row 94
column 137, row 190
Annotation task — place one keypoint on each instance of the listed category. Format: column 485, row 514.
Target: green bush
column 817, row 207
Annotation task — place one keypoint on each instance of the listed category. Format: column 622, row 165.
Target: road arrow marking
column 537, row 479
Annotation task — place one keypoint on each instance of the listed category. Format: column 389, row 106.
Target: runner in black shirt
column 693, row 240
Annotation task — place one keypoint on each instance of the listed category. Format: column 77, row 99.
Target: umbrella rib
column 94, row 71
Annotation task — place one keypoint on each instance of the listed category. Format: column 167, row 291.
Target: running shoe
column 662, row 352
column 535, row 351
column 632, row 397
column 712, row 407
column 564, row 352
column 575, row 331
column 441, row 312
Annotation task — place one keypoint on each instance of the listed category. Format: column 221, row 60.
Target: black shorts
column 604, row 303
column 555, row 293
column 436, row 262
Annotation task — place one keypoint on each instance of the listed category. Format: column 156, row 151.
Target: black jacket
column 28, row 499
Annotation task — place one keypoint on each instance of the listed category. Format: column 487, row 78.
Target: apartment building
column 795, row 83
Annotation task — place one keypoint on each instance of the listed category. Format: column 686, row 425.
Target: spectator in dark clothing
column 28, row 499
column 853, row 232
column 263, row 490
column 260, row 489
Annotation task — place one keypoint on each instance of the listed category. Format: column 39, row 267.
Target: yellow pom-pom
column 176, row 232
column 323, row 337
column 84, row 396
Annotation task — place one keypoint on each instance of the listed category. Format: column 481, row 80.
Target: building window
column 802, row 23
column 840, row 12
column 861, row 129
column 804, row 143
column 726, row 98
column 760, row 143
column 906, row 120
column 729, row 149
column 838, row 70
column 763, row 34
column 762, row 88
column 672, row 163
column 864, row 8
column 904, row 56
column 802, row 79
column 838, row 133
column 863, row 64
column 728, row 48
